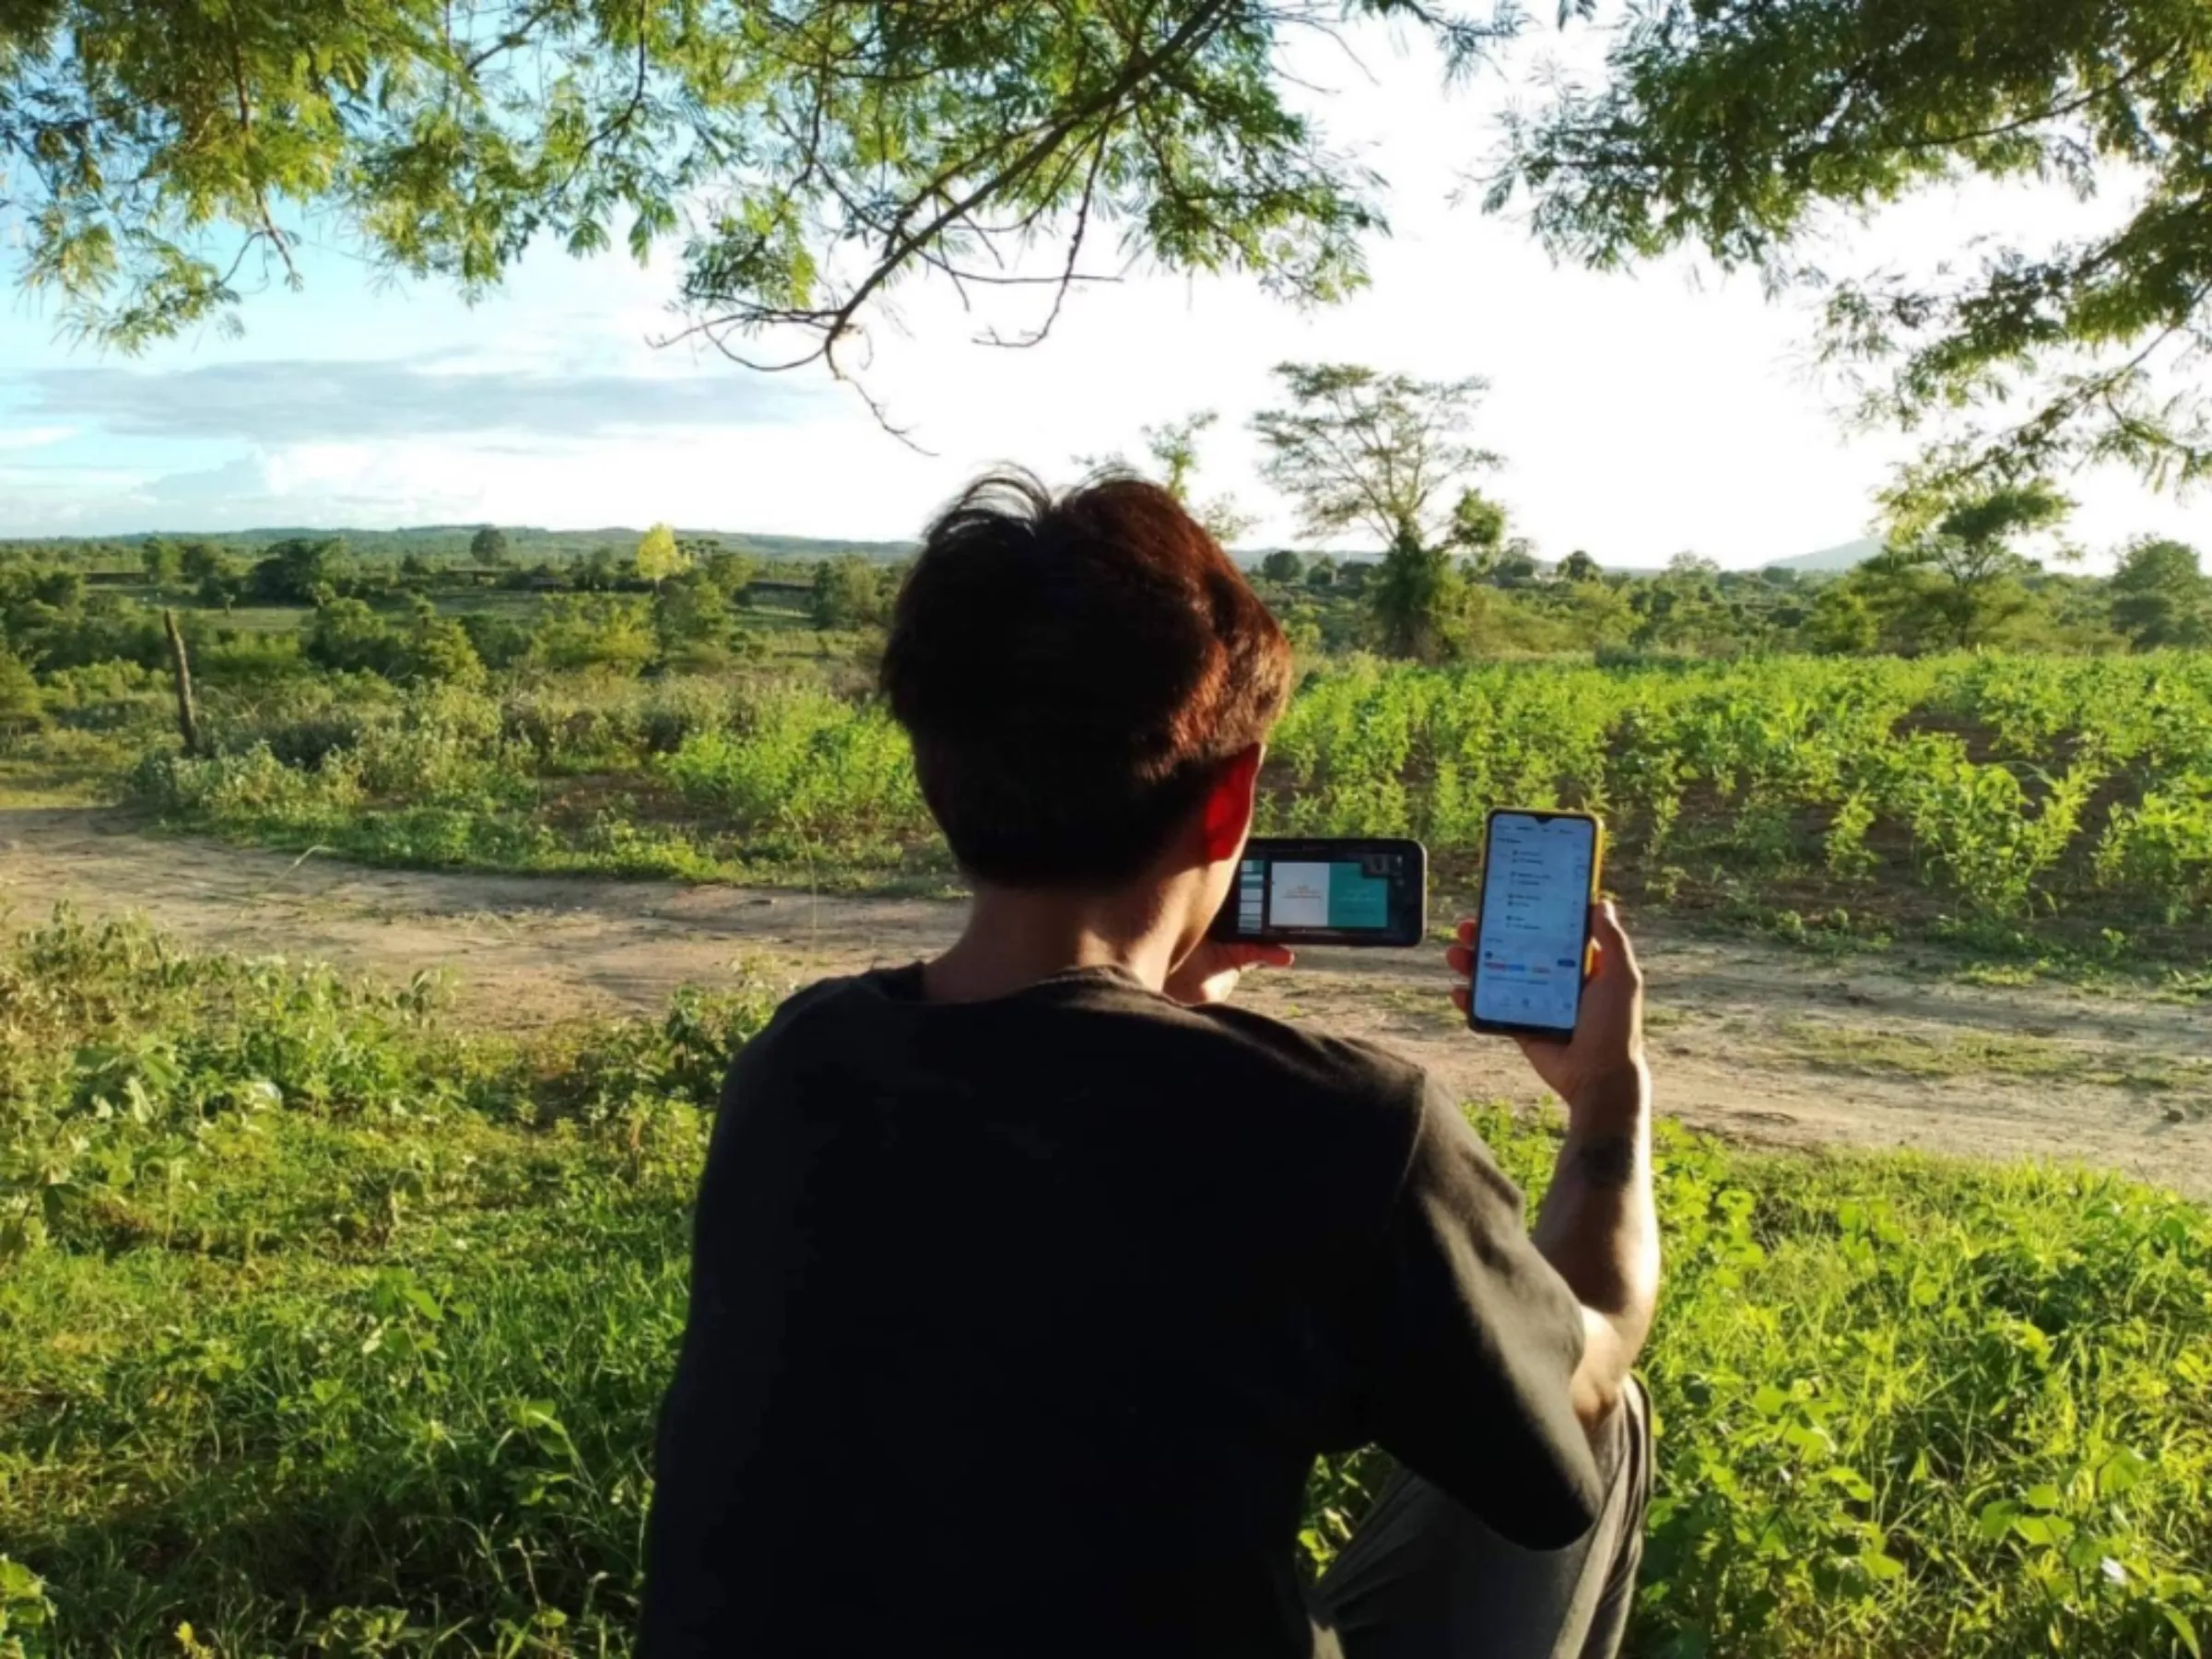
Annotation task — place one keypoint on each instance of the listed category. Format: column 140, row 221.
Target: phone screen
column 1307, row 893
column 1536, row 919
column 1340, row 892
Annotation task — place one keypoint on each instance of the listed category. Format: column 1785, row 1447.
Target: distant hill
column 1847, row 557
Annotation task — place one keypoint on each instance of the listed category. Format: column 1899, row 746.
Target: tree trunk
column 179, row 668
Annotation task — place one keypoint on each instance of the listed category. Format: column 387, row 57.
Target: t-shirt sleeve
column 1472, row 1340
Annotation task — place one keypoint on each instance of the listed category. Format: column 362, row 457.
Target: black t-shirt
column 1016, row 1326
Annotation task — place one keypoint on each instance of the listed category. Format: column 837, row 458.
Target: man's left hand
column 1210, row 974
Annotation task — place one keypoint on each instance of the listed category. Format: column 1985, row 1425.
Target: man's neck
column 1016, row 937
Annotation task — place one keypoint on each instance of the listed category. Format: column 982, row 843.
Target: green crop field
column 2013, row 804
column 329, row 1323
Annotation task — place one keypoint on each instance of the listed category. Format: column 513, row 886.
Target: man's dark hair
column 1071, row 673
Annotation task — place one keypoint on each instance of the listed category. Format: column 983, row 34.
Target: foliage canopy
column 1740, row 126
column 807, row 155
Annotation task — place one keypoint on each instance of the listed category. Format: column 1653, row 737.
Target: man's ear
column 1227, row 818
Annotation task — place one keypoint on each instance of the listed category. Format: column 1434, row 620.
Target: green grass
column 331, row 1324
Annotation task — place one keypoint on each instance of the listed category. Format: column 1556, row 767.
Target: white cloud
column 300, row 400
column 22, row 438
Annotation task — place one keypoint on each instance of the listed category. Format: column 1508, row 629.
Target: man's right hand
column 1601, row 1069
column 1597, row 1224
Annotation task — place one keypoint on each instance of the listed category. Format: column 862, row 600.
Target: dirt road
column 1753, row 1041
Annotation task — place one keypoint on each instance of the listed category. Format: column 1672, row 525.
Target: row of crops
column 1999, row 786
column 2013, row 784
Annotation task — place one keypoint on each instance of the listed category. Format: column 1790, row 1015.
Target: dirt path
column 1753, row 1041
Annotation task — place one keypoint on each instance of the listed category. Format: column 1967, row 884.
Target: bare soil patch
column 1750, row 1040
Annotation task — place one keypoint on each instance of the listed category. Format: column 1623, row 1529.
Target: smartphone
column 1531, row 943
column 1329, row 891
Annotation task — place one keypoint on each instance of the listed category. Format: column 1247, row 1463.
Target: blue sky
column 1640, row 414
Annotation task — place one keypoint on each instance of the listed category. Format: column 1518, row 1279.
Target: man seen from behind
column 1030, row 1280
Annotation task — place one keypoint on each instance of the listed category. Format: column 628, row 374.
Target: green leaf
column 2043, row 1497
column 1853, row 1484
column 2121, row 1472
column 1882, row 1566
column 2185, row 1629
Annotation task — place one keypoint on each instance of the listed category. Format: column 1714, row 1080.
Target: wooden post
column 179, row 668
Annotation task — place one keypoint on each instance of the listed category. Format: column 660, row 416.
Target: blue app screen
column 1535, row 899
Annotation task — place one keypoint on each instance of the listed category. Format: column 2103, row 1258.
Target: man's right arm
column 1597, row 1225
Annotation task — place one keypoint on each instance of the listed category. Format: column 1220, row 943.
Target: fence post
column 179, row 668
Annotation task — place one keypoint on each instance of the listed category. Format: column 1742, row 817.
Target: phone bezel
column 1498, row 1027
column 1280, row 847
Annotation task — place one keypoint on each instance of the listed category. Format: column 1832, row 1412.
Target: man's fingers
column 1261, row 955
column 1459, row 997
column 1459, row 958
column 1616, row 955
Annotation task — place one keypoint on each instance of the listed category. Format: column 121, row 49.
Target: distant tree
column 1841, row 622
column 691, row 619
column 489, row 546
column 1514, row 566
column 729, row 573
column 1478, row 531
column 21, row 707
column 1387, row 454
column 1578, row 566
column 1283, row 566
column 850, row 593
column 197, row 561
column 2160, row 597
column 416, row 568
column 1597, row 614
column 1896, row 594
column 346, row 636
column 658, row 557
column 1173, row 447
column 500, row 642
column 1413, row 594
column 1681, row 608
column 436, row 650
column 598, row 573
column 163, row 561
column 609, row 631
column 295, row 571
column 1966, row 547
column 1321, row 574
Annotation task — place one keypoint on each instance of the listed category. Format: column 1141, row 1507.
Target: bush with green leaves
column 804, row 766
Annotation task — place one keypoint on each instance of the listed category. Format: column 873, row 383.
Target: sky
column 1640, row 414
